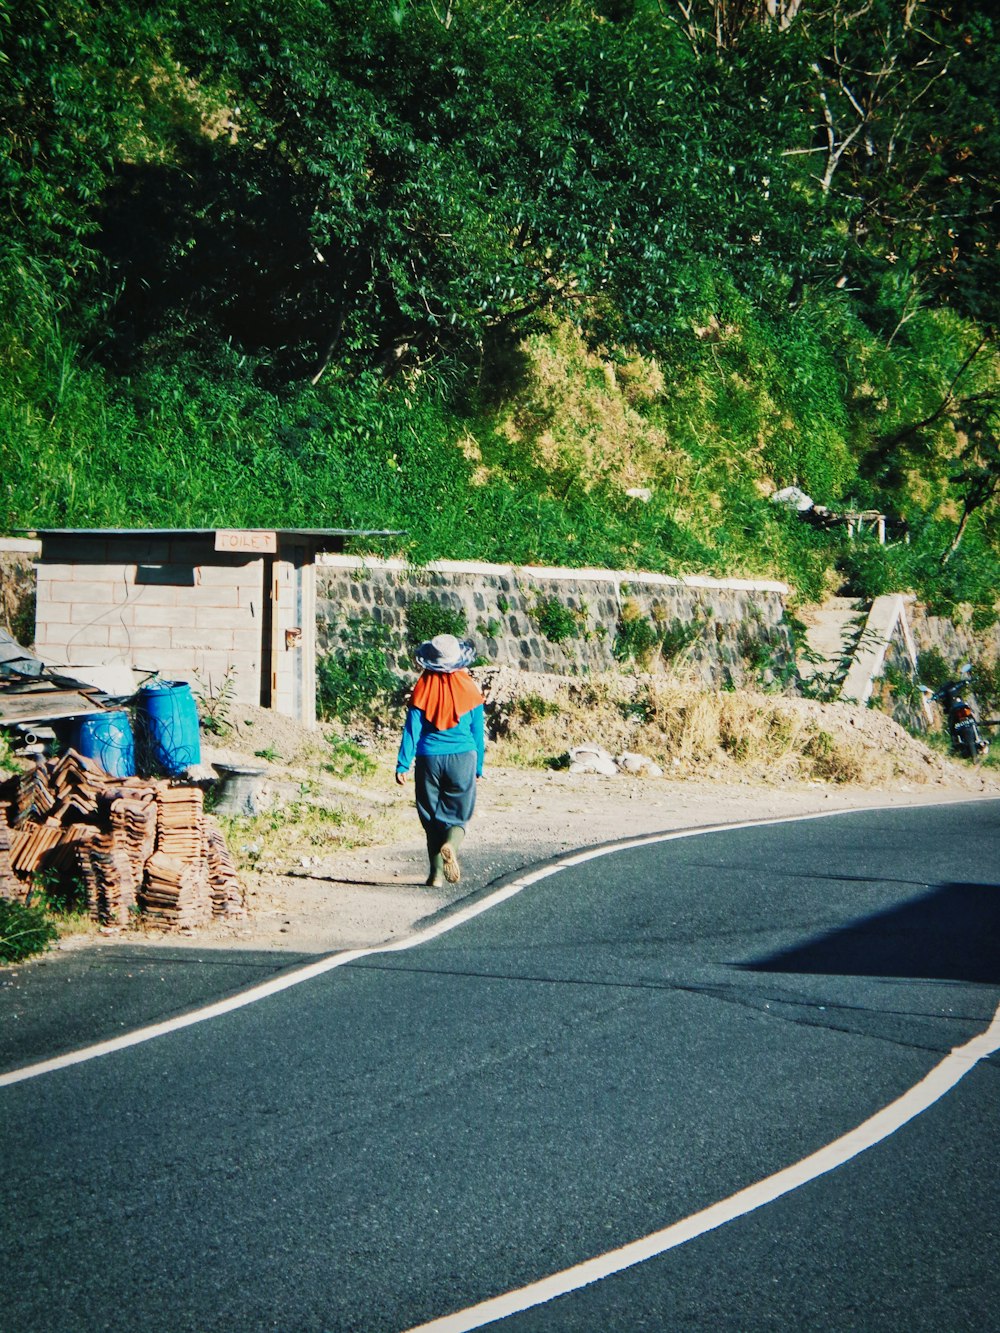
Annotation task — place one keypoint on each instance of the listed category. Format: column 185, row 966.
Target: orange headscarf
column 444, row 697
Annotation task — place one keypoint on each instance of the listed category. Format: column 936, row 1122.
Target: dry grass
column 690, row 730
column 581, row 415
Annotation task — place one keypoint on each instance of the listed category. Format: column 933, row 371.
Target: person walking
column 443, row 739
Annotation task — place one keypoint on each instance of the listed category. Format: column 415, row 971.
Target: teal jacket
column 419, row 737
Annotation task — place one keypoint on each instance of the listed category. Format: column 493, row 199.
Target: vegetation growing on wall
column 637, row 639
column 356, row 677
column 556, row 621
column 425, row 619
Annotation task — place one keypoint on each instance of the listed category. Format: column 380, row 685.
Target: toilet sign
column 256, row 540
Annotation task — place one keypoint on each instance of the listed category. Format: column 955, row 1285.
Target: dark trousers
column 445, row 787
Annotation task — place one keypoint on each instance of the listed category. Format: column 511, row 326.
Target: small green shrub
column 986, row 686
column 637, row 640
column 678, row 637
column 933, row 669
column 58, row 894
column 902, row 686
column 532, row 708
column 870, row 571
column 24, row 930
column 215, row 702
column 425, row 619
column 984, row 618
column 348, row 760
column 356, row 677
column 555, row 621
column 769, row 658
column 641, row 708
column 7, row 764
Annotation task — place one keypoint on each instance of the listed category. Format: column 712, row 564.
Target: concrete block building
column 202, row 605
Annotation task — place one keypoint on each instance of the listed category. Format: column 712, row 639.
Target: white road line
column 328, row 964
column 880, row 1126
column 941, row 1079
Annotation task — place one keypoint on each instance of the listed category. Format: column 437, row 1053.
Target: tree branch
column 908, row 432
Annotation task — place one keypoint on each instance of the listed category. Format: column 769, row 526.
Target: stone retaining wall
column 955, row 643
column 723, row 632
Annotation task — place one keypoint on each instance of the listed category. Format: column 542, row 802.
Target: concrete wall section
column 884, row 668
column 738, row 633
column 175, row 606
column 293, row 632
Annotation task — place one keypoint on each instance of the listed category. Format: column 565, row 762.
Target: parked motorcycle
column 963, row 725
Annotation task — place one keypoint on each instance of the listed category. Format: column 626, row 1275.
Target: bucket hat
column 444, row 653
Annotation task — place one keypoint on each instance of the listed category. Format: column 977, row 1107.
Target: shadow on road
column 952, row 933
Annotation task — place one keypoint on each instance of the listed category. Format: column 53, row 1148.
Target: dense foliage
column 476, row 270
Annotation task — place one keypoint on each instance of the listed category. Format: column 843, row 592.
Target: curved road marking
column 448, row 923
column 941, row 1079
column 332, row 961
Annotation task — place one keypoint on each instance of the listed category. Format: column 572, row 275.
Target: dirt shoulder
column 336, row 860
column 370, row 895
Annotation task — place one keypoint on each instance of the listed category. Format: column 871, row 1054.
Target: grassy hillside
column 278, row 266
column 534, row 469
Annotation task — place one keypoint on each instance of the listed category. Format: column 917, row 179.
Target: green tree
column 899, row 137
column 359, row 186
column 84, row 87
column 978, row 476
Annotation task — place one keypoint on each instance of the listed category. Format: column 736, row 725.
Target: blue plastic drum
column 167, row 720
column 107, row 739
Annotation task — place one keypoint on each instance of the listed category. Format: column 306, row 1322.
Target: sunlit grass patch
column 294, row 829
column 24, row 931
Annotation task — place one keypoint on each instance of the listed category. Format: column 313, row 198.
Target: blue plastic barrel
column 107, row 739
column 167, row 718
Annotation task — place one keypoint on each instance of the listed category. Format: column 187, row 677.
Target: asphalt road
column 617, row 1047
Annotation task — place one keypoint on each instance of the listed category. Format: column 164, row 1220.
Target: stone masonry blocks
column 501, row 605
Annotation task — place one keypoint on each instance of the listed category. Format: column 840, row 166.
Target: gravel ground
column 369, row 895
column 304, row 899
